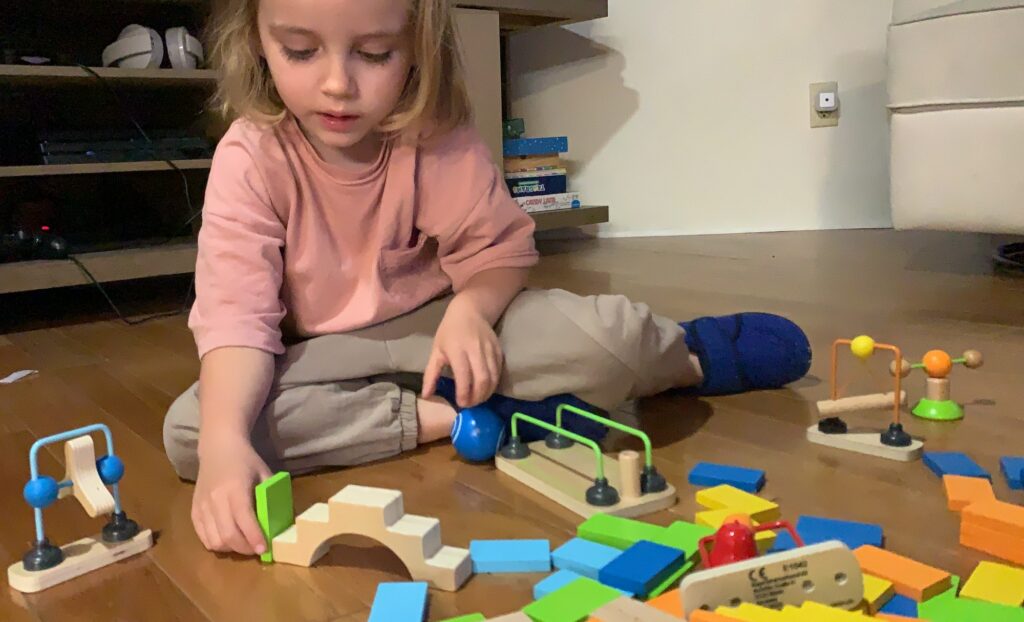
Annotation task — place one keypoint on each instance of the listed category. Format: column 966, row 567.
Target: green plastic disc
column 944, row 410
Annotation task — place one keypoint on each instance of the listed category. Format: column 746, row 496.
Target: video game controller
column 42, row 244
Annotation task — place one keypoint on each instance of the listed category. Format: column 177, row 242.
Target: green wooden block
column 274, row 509
column 572, row 602
column 622, row 533
column 473, row 617
column 672, row 580
column 946, row 607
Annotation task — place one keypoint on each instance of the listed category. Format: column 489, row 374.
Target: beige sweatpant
column 346, row 399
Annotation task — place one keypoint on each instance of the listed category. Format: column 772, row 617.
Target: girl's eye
column 298, row 55
column 377, row 59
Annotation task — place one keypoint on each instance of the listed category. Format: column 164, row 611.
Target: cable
column 193, row 214
column 1010, row 256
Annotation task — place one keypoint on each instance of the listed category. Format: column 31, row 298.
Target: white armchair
column 956, row 101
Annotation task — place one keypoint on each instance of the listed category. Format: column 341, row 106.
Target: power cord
column 193, row 214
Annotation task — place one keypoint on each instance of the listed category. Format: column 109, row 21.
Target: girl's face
column 338, row 65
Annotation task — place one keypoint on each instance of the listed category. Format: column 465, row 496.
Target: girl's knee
column 181, row 434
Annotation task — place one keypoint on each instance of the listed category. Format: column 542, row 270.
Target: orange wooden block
column 668, row 602
column 993, row 542
column 962, row 491
column 893, row 618
column 997, row 515
column 910, row 578
column 709, row 616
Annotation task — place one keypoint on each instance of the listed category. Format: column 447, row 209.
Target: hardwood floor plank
column 50, row 349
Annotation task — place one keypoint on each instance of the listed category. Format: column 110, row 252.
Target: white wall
column 692, row 116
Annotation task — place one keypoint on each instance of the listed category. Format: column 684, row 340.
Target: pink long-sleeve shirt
column 293, row 247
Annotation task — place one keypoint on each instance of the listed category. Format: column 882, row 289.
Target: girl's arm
column 490, row 292
column 234, row 382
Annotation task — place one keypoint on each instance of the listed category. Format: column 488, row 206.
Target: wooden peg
column 937, row 389
column 629, row 473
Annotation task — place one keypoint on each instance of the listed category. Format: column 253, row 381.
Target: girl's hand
column 465, row 342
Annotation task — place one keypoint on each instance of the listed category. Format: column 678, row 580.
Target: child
column 357, row 242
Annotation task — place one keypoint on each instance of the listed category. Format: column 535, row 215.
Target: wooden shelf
column 47, row 74
column 578, row 217
column 41, row 170
column 520, row 14
column 106, row 266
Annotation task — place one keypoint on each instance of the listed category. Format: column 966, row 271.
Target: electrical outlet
column 824, row 104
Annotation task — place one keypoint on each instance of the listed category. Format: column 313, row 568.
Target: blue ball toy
column 111, row 469
column 41, row 491
column 478, row 433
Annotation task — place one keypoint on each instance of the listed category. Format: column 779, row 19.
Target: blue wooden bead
column 41, row 491
column 478, row 433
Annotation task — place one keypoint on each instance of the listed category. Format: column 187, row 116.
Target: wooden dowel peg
column 629, row 474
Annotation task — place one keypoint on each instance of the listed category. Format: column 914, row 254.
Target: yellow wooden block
column 877, row 592
column 748, row 612
column 995, row 583
column 714, row 519
column 725, row 496
column 823, row 613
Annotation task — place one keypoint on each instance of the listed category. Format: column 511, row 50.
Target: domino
column 1013, row 470
column 953, row 463
column 641, row 567
column 962, row 491
column 668, row 602
column 711, row 474
column 621, row 533
column 946, row 607
column 910, row 578
column 747, row 612
column 507, row 556
column 725, row 496
column 630, row 610
column 877, row 592
column 997, row 515
column 573, row 601
column 274, row 509
column 995, row 583
column 816, row 529
column 400, row 601
column 900, row 605
column 583, row 557
column 472, row 617
column 557, row 581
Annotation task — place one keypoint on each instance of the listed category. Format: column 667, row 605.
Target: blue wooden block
column 1013, row 470
column 953, row 463
column 492, row 556
column 817, row 529
column 642, row 567
column 900, row 605
column 399, row 601
column 583, row 557
column 783, row 542
column 558, row 580
column 710, row 474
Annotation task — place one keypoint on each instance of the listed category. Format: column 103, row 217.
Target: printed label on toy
column 767, row 589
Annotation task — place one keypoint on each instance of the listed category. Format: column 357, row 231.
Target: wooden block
column 517, row 616
column 868, row 443
column 752, row 613
column 499, row 556
column 953, row 463
column 855, row 403
column 996, row 515
column 1013, row 470
column 811, row 611
column 815, row 529
column 910, row 578
column 715, row 518
column 574, row 601
column 668, row 602
column 711, row 474
column 80, row 557
column 900, row 605
column 947, row 607
column 672, row 581
column 629, row 610
column 274, row 509
column 779, row 579
column 471, row 617
column 709, row 616
column 993, row 542
column 640, row 567
column 583, row 557
column 725, row 496
column 621, row 533
column 87, row 487
column 962, row 491
column 556, row 581
column 399, row 601
column 629, row 474
column 995, row 583
column 564, row 475
column 877, row 592
column 893, row 618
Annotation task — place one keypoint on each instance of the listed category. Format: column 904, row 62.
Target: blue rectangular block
column 817, row 529
column 953, row 463
column 535, row 146
column 583, row 557
column 900, row 606
column 710, row 474
column 1013, row 470
column 783, row 542
column 510, row 556
column 558, row 580
column 642, row 567
column 400, row 601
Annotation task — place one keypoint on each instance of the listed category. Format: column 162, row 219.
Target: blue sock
column 747, row 352
column 544, row 410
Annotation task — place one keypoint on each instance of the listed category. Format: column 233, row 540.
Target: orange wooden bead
column 937, row 363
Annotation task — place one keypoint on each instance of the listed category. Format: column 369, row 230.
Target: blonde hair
column 434, row 99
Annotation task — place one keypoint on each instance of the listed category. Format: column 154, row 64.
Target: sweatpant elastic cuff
column 407, row 418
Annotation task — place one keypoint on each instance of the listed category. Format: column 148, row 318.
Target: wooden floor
column 919, row 290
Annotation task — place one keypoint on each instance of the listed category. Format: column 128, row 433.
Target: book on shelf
column 549, row 202
column 536, row 174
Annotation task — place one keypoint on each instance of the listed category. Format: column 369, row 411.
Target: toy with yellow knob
column 937, row 405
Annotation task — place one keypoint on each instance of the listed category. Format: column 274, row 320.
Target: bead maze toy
column 936, row 405
column 86, row 478
column 894, row 443
column 585, row 481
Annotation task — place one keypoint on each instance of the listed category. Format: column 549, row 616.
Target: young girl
column 362, row 269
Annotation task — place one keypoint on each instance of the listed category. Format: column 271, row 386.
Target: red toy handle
column 780, row 524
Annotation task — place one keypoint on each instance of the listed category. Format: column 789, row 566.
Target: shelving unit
column 41, row 170
column 43, row 74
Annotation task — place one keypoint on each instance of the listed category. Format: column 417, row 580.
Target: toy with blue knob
column 478, row 433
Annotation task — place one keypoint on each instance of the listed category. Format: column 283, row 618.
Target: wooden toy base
column 564, row 475
column 866, row 443
column 80, row 557
column 829, row 570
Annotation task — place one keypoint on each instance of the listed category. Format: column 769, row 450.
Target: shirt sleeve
column 467, row 207
column 239, row 265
